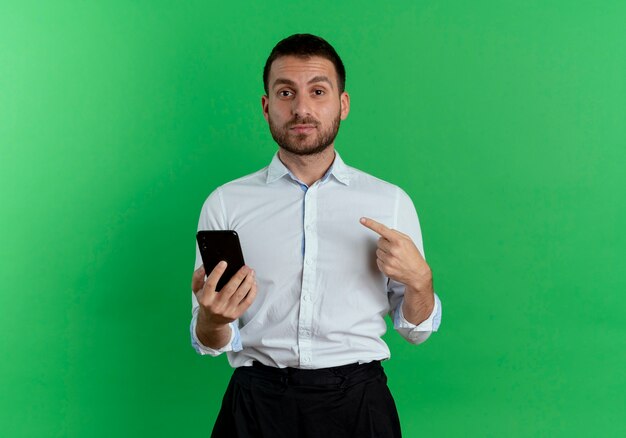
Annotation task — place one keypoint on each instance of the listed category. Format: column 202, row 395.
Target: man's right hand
column 218, row 309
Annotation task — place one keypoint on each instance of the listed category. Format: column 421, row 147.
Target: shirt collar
column 338, row 169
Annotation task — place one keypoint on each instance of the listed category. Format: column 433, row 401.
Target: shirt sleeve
column 212, row 217
column 407, row 222
column 234, row 344
column 416, row 334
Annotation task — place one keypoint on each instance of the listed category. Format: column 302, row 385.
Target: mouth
column 302, row 129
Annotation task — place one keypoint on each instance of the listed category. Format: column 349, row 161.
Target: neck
column 308, row 168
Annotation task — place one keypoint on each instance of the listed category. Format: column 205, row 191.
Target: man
column 328, row 259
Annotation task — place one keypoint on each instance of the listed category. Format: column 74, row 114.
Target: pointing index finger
column 377, row 227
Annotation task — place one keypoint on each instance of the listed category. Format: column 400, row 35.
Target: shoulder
column 254, row 179
column 381, row 191
column 215, row 209
column 362, row 179
column 245, row 182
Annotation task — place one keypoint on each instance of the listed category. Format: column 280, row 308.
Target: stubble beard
column 298, row 144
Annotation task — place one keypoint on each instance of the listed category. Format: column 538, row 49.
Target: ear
column 345, row 105
column 265, row 105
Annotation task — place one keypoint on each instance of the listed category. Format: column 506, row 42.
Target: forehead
column 299, row 69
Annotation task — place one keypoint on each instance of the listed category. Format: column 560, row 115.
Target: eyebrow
column 319, row 78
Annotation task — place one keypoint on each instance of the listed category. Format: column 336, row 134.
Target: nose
column 301, row 106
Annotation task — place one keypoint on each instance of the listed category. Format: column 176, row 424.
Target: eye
column 285, row 93
column 319, row 92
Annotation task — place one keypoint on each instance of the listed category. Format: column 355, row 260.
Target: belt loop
column 343, row 378
column 343, row 384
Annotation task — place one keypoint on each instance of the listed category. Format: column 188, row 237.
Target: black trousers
column 346, row 401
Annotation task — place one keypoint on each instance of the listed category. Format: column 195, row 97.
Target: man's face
column 303, row 106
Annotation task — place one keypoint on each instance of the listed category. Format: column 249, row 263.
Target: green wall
column 505, row 122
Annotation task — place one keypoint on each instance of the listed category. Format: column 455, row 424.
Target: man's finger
column 233, row 284
column 215, row 275
column 248, row 299
column 197, row 280
column 243, row 288
column 377, row 227
column 382, row 255
column 385, row 245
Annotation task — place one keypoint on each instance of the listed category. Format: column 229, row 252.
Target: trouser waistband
column 345, row 375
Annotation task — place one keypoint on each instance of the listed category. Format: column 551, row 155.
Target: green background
column 504, row 121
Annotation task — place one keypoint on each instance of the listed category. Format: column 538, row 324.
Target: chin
column 304, row 151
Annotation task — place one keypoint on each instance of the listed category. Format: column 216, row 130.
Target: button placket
column 305, row 319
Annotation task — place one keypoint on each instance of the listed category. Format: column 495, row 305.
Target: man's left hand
column 399, row 259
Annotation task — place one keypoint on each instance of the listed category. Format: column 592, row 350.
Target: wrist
column 423, row 296
column 422, row 287
column 417, row 305
column 214, row 336
column 206, row 324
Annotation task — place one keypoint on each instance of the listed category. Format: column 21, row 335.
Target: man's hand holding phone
column 219, row 308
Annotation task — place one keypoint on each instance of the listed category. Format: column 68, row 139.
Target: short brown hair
column 305, row 45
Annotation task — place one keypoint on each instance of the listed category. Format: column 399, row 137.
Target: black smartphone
column 218, row 245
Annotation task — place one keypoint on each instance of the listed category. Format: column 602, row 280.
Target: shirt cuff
column 417, row 334
column 234, row 344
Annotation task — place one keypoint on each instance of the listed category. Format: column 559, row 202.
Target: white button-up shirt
column 321, row 300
